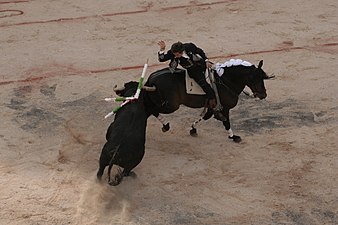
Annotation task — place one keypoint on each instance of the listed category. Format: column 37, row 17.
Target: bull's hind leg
column 128, row 173
column 117, row 177
column 100, row 173
column 102, row 164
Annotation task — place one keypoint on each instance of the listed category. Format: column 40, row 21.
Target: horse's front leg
column 226, row 124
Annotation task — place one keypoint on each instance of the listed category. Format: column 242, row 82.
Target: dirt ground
column 60, row 59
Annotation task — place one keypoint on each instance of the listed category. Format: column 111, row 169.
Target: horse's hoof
column 193, row 132
column 165, row 127
column 236, row 138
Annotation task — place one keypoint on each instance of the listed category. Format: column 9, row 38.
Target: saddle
column 192, row 87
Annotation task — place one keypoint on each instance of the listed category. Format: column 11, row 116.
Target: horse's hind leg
column 165, row 124
column 193, row 130
column 205, row 116
column 208, row 114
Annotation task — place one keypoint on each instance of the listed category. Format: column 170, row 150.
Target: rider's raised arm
column 162, row 57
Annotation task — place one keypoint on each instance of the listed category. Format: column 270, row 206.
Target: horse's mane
column 233, row 67
column 236, row 71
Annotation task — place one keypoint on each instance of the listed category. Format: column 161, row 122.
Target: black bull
column 171, row 91
column 126, row 137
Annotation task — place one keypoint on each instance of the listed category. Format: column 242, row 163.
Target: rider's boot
column 211, row 97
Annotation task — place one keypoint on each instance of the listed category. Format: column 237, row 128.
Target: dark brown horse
column 171, row 92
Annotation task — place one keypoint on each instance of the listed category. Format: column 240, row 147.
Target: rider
column 194, row 60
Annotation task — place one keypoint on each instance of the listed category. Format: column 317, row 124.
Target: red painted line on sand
column 118, row 68
column 124, row 13
column 12, row 13
column 13, row 2
column 330, row 44
column 31, row 79
column 195, row 5
column 67, row 19
column 259, row 52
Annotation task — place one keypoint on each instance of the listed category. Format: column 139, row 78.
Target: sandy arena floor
column 60, row 59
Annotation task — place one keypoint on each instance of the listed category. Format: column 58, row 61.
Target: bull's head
column 129, row 89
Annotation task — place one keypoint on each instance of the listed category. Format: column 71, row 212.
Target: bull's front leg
column 227, row 126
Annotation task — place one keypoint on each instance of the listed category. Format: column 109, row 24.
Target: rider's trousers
column 197, row 73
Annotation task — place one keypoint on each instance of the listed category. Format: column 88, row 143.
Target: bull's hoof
column 236, row 138
column 117, row 180
column 165, row 127
column 99, row 179
column 193, row 132
column 130, row 174
column 113, row 183
column 99, row 175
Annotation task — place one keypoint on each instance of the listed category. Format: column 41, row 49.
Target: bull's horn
column 147, row 88
column 115, row 88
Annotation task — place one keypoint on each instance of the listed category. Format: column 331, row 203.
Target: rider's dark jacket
column 194, row 61
column 195, row 57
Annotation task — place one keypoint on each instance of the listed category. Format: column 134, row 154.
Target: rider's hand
column 161, row 43
column 208, row 64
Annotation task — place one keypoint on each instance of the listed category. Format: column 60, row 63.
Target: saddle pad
column 232, row 62
column 192, row 87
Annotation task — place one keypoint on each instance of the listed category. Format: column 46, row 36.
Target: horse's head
column 129, row 89
column 256, row 81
